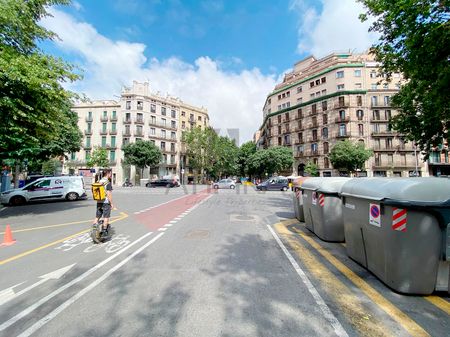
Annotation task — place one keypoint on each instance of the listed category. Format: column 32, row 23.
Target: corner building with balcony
column 138, row 115
column 341, row 96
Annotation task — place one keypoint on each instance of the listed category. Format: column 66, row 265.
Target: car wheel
column 232, row 187
column 17, row 200
column 72, row 196
column 216, row 187
column 284, row 189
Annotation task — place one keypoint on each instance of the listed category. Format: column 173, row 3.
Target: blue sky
column 225, row 55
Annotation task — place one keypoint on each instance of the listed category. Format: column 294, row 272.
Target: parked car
column 274, row 184
column 47, row 188
column 163, row 183
column 225, row 183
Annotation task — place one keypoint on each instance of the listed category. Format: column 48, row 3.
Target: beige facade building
column 341, row 96
column 138, row 115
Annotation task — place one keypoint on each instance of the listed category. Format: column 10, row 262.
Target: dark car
column 274, row 184
column 163, row 183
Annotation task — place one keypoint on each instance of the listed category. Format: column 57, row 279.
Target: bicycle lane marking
column 56, row 292
column 39, row 324
column 338, row 329
column 413, row 328
column 34, row 250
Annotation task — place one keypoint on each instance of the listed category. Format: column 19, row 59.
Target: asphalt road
column 209, row 263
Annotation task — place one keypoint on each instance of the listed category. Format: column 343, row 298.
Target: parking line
column 58, row 225
column 404, row 320
column 31, row 251
column 439, row 302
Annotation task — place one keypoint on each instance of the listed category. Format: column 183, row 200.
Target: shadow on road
column 44, row 207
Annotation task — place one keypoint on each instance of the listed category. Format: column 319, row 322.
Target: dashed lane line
column 399, row 316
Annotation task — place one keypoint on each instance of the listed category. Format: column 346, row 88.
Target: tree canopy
column 99, row 158
column 35, row 109
column 312, row 169
column 349, row 156
column 415, row 41
column 243, row 158
column 271, row 160
column 142, row 154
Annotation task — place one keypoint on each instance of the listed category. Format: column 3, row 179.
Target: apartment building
column 138, row 115
column 341, row 96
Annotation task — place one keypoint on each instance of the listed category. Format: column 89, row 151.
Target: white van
column 48, row 188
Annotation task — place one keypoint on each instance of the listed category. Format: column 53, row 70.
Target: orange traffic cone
column 8, row 239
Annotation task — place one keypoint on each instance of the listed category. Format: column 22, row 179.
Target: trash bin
column 322, row 207
column 143, row 182
column 399, row 229
column 297, row 198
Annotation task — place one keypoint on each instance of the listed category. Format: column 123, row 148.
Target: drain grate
column 197, row 234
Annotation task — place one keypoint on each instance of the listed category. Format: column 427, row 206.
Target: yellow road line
column 349, row 303
column 31, row 251
column 404, row 320
column 439, row 302
column 58, row 225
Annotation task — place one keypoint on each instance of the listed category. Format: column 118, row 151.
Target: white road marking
column 8, row 293
column 168, row 225
column 162, row 229
column 54, row 275
column 177, row 218
column 36, row 326
column 45, row 299
column 172, row 221
column 338, row 329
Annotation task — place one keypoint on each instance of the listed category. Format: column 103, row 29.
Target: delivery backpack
column 99, row 190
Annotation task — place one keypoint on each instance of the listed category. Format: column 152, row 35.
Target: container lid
column 328, row 185
column 415, row 190
column 299, row 181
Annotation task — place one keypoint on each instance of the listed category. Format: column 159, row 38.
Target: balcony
column 346, row 134
column 161, row 137
column 103, row 118
column 103, row 132
column 112, row 163
column 342, row 120
column 87, row 146
column 341, row 104
column 139, row 121
column 112, row 146
column 384, row 133
column 126, row 133
column 299, row 154
column 377, row 119
column 88, row 132
column 380, row 148
column 89, row 119
column 170, row 151
column 127, row 121
column 138, row 133
column 375, row 105
column 113, row 118
column 113, row 132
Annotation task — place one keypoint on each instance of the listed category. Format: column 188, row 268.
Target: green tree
column 271, row 160
column 142, row 154
column 415, row 41
column 349, row 156
column 225, row 154
column 50, row 166
column 245, row 151
column 99, row 158
column 35, row 110
column 312, row 169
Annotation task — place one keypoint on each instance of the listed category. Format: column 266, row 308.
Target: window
column 173, row 124
column 357, row 72
column 387, row 114
column 323, row 80
column 105, row 115
column 325, row 119
column 279, row 118
column 283, row 95
column 374, row 86
column 361, row 130
column 387, row 100
column 128, row 105
column 359, row 100
column 90, row 115
column 88, row 141
column 376, row 128
column 340, row 87
column 358, row 85
column 314, row 147
column 125, row 141
column 140, row 105
column 325, row 133
column 318, row 81
column 373, row 74
column 140, row 118
column 172, row 147
column 279, row 129
column 360, row 114
column 314, row 135
column 163, row 133
column 286, row 116
column 341, row 115
column 390, row 159
column 152, row 108
column 173, row 114
column 112, row 155
column 326, row 162
column 300, row 137
column 183, row 113
column 324, row 105
column 87, row 155
column 388, row 143
column 318, row 94
column 279, row 107
column 288, row 94
column 299, row 89
column 279, row 140
column 199, row 118
column 325, row 148
column 340, row 74
column 324, row 92
column 311, row 84
column 113, row 127
column 163, row 111
column 376, row 115
column 89, row 127
column 314, row 108
column 152, row 131
column 173, row 135
column 113, row 141
column 287, row 139
column 104, row 141
column 163, row 146
column 342, row 130
column 374, row 100
column 72, row 156
column 139, row 130
column 104, row 127
column 288, row 104
column 163, row 122
column 385, row 86
column 299, row 113
column 153, row 120
column 312, row 95
column 183, row 125
column 128, row 117
column 300, row 148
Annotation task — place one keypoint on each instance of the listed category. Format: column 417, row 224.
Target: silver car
column 225, row 183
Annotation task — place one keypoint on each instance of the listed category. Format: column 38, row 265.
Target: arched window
column 360, row 114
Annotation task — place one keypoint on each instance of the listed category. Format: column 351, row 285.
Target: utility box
column 398, row 228
column 322, row 207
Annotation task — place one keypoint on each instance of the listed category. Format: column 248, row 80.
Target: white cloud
column 233, row 99
column 336, row 27
column 77, row 5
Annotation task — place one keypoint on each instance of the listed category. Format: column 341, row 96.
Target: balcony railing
column 126, row 133
column 346, row 134
column 139, row 120
column 339, row 119
column 113, row 132
column 103, row 132
column 127, row 121
column 384, row 133
column 89, row 119
column 138, row 134
column 113, row 118
column 88, row 132
column 112, row 163
column 380, row 104
column 341, row 104
column 87, row 146
column 299, row 154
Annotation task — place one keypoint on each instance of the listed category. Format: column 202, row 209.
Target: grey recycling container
column 296, row 203
column 399, row 229
column 322, row 207
column 297, row 198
